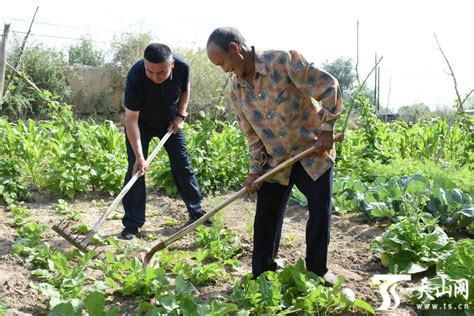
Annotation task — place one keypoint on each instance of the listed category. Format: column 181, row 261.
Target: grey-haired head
column 223, row 36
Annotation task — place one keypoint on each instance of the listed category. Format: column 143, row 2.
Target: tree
column 343, row 70
column 414, row 112
column 207, row 84
column 45, row 67
column 127, row 48
column 85, row 54
column 469, row 104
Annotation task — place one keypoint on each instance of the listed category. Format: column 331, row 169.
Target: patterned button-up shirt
column 279, row 114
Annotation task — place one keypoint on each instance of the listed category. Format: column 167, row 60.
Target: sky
column 412, row 70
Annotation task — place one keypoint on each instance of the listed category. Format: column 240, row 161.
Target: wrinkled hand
column 140, row 165
column 250, row 185
column 177, row 124
column 324, row 142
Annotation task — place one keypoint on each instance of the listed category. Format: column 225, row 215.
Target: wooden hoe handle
column 178, row 235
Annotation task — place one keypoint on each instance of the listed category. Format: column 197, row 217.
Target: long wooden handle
column 125, row 189
column 163, row 244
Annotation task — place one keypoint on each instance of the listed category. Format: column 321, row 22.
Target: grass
column 290, row 240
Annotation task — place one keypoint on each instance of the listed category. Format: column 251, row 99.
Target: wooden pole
column 359, row 89
column 3, row 60
column 20, row 54
column 357, row 60
column 378, row 89
column 389, row 91
column 375, row 84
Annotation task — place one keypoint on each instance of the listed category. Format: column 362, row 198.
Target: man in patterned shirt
column 275, row 96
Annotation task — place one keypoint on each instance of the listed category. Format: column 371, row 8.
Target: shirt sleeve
column 320, row 85
column 256, row 147
column 131, row 99
column 184, row 86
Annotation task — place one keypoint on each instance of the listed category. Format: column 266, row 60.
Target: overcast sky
column 412, row 69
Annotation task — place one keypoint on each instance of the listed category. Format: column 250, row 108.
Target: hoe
column 81, row 244
column 178, row 235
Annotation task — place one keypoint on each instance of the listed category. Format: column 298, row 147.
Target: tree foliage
column 127, row 48
column 469, row 103
column 43, row 65
column 210, row 86
column 84, row 54
column 343, row 70
column 414, row 112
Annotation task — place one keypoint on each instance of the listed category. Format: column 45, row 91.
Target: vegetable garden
column 391, row 181
column 402, row 205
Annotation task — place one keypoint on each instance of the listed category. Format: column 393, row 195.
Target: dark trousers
column 135, row 200
column 271, row 204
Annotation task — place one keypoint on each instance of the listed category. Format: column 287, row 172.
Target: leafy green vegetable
column 413, row 245
column 454, row 282
column 294, row 290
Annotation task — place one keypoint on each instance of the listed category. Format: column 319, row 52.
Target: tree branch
column 359, row 89
column 451, row 73
column 459, row 107
column 6, row 89
column 3, row 60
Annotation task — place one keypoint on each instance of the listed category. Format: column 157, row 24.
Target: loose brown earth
column 349, row 253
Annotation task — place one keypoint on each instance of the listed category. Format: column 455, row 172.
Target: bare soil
column 349, row 253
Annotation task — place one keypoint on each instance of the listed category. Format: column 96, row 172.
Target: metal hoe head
column 75, row 241
column 81, row 243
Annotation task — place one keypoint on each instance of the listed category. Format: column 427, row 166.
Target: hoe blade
column 73, row 241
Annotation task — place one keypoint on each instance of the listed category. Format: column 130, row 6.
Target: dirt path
column 349, row 253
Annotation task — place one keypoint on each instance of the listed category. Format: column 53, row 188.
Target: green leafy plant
column 454, row 208
column 63, row 208
column 219, row 244
column 298, row 197
column 12, row 187
column 218, row 155
column 93, row 304
column 130, row 278
column 20, row 214
column 413, row 245
column 393, row 199
column 3, row 309
column 29, row 244
column 294, row 290
column 82, row 229
column 64, row 280
column 199, row 273
column 454, row 272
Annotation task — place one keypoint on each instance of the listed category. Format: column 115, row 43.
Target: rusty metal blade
column 70, row 239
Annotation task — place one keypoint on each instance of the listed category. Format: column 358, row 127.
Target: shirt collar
column 259, row 62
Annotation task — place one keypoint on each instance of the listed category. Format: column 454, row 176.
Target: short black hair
column 222, row 36
column 157, row 53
